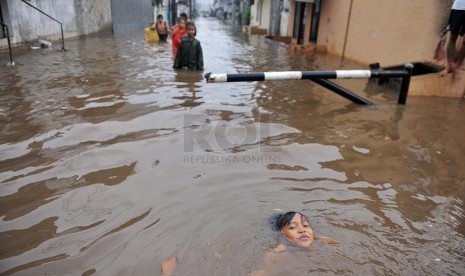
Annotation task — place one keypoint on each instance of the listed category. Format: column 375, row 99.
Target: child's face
column 182, row 24
column 191, row 31
column 160, row 20
column 298, row 231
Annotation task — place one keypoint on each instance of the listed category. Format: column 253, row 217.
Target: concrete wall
column 79, row 17
column 92, row 16
column 131, row 15
column 284, row 24
column 390, row 32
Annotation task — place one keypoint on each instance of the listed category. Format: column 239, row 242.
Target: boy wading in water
column 189, row 55
column 161, row 28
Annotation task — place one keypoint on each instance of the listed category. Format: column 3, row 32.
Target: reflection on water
column 111, row 162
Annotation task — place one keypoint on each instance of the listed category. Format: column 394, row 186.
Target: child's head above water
column 295, row 228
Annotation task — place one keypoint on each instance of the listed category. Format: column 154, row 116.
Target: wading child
column 189, row 55
column 178, row 32
column 161, row 28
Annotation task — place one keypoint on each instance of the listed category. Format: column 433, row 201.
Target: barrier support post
column 341, row 91
column 405, row 84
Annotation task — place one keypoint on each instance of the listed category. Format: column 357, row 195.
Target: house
column 222, row 8
column 389, row 32
column 367, row 31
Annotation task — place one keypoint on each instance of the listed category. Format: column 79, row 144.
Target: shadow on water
column 111, row 161
column 192, row 82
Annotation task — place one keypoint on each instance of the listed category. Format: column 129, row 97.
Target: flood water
column 111, row 162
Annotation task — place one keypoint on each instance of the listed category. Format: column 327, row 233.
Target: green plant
column 246, row 16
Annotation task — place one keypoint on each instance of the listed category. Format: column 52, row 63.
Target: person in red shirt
column 178, row 32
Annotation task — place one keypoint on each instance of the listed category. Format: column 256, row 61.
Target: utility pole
column 234, row 12
column 174, row 12
column 194, row 8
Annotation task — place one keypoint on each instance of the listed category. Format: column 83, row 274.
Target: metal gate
column 128, row 15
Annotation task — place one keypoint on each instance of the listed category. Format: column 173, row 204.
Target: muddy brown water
column 110, row 162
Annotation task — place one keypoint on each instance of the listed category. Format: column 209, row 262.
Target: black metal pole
column 9, row 43
column 61, row 25
column 341, row 91
column 62, row 39
column 174, row 12
column 405, row 84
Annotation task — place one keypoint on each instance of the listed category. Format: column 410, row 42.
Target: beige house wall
column 265, row 14
column 290, row 26
column 390, row 32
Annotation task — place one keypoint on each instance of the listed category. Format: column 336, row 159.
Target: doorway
column 302, row 33
column 315, row 21
column 299, row 22
column 275, row 20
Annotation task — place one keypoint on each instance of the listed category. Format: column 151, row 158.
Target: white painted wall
column 284, row 23
column 264, row 21
column 79, row 17
column 266, row 10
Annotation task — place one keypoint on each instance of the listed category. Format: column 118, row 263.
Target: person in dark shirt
column 189, row 55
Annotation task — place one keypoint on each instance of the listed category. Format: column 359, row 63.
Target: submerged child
column 178, row 32
column 189, row 54
column 296, row 230
column 294, row 227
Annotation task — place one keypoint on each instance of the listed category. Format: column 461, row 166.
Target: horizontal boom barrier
column 305, row 75
column 321, row 77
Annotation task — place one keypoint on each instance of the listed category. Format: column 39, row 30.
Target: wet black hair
column 183, row 14
column 285, row 219
column 159, row 16
column 190, row 23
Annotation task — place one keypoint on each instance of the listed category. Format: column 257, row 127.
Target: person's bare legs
column 451, row 54
column 459, row 60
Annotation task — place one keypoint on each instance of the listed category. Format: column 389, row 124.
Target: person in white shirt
column 457, row 27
